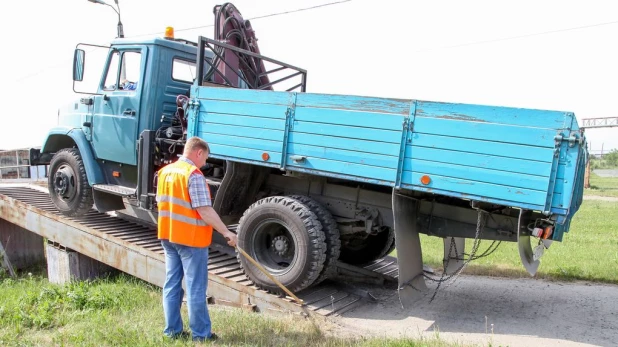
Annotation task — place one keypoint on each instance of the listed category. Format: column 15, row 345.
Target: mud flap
column 525, row 249
column 453, row 257
column 408, row 245
column 105, row 202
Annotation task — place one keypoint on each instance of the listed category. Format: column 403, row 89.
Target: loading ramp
column 133, row 248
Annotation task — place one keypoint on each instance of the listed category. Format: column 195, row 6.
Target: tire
column 391, row 248
column 374, row 247
column 331, row 232
column 68, row 184
column 286, row 238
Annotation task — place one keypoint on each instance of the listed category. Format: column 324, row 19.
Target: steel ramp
column 133, row 248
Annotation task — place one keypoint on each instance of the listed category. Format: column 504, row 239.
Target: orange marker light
column 547, row 232
column 116, row 173
column 265, row 156
column 425, row 180
column 169, row 33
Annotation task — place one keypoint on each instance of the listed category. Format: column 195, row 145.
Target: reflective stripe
column 175, row 201
column 175, row 170
column 181, row 218
column 178, row 222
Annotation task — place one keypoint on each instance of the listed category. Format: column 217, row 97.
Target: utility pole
column 119, row 28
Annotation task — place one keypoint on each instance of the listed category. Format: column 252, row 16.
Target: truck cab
column 133, row 88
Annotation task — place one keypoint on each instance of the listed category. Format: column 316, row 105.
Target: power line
column 200, row 27
column 344, row 1
column 50, row 67
column 258, row 17
column 518, row 36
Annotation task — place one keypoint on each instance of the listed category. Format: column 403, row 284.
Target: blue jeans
column 191, row 262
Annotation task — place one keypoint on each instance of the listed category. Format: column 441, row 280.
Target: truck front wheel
column 68, row 183
column 286, row 238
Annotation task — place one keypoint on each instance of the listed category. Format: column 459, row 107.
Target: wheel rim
column 64, row 183
column 273, row 246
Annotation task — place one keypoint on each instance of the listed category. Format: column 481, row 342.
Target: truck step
column 114, row 189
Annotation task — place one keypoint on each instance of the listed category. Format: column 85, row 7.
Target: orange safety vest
column 178, row 222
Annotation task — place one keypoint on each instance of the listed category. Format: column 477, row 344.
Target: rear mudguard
column 407, row 241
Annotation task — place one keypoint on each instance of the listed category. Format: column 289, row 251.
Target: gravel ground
column 496, row 311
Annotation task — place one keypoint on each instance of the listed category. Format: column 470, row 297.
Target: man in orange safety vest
column 185, row 225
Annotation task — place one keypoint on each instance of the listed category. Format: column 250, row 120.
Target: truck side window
column 131, row 70
column 183, row 70
column 112, row 73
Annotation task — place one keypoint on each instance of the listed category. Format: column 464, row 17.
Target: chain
column 409, row 284
column 487, row 252
column 480, row 225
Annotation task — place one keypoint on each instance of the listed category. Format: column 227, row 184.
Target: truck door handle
column 128, row 112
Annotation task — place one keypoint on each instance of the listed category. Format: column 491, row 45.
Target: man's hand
column 212, row 218
column 231, row 238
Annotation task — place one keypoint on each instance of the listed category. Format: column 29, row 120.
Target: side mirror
column 78, row 64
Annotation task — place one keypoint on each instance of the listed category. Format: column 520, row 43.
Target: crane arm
column 231, row 28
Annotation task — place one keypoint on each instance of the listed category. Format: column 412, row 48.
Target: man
column 185, row 224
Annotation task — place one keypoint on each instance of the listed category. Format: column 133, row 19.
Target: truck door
column 117, row 108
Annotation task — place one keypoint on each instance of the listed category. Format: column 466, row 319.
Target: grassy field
column 123, row 311
column 602, row 186
column 589, row 251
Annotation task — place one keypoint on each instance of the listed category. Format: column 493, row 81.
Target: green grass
column 124, row 311
column 602, row 186
column 589, row 251
column 608, row 161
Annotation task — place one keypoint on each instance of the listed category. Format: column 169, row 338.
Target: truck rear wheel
column 362, row 251
column 68, row 184
column 286, row 238
column 331, row 232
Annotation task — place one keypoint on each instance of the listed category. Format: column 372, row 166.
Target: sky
column 556, row 55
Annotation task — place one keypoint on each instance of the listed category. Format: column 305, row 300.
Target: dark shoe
column 181, row 335
column 213, row 337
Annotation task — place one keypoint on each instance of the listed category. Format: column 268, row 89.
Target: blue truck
column 312, row 180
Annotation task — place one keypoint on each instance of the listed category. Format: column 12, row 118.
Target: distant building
column 15, row 164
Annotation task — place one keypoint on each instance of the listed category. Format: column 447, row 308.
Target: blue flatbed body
column 523, row 158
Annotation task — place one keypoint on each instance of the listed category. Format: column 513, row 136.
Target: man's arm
column 200, row 201
column 211, row 217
